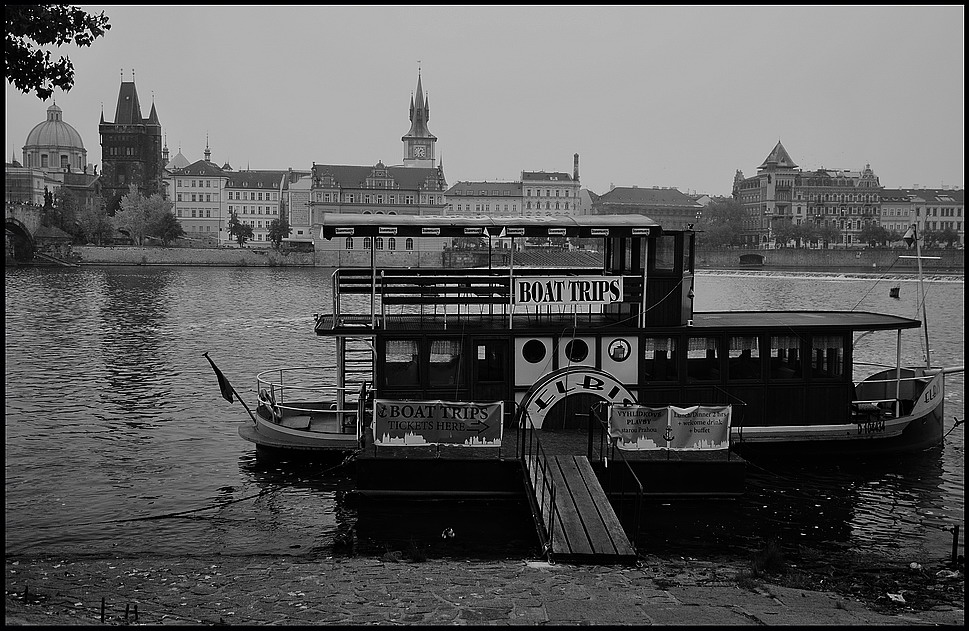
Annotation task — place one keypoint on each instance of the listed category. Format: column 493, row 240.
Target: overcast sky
column 677, row 96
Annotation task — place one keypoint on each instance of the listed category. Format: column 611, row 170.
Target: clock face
column 419, row 151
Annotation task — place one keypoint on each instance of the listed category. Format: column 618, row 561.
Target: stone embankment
column 880, row 261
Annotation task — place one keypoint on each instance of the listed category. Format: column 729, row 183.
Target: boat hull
column 274, row 442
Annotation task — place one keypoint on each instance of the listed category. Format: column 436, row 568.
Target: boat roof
column 757, row 320
column 582, row 226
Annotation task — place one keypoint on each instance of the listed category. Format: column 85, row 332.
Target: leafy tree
column 721, row 224
column 279, row 229
column 63, row 212
column 934, row 238
column 141, row 216
column 785, row 232
column 96, row 226
column 829, row 234
column 167, row 227
column 241, row 231
column 30, row 27
column 873, row 234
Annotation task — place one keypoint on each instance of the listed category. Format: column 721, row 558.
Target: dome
column 54, row 132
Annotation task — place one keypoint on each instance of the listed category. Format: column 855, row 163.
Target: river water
column 118, row 441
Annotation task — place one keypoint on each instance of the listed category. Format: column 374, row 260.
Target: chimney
column 575, row 169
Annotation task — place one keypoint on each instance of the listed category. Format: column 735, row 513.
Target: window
column 401, row 365
column 827, row 356
column 208, row 183
column 379, row 243
column 391, row 243
column 349, row 243
column 703, row 359
column 208, row 197
column 743, row 358
column 445, row 367
column 366, row 243
column 208, row 213
column 178, row 197
column 660, row 356
column 409, row 244
column 664, row 252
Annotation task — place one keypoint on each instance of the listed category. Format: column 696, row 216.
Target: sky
column 669, row 96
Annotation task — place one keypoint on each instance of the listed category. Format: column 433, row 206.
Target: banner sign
column 387, row 230
column 565, row 290
column 430, row 232
column 399, row 423
column 697, row 428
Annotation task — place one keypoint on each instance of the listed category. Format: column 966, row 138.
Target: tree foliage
column 30, row 28
column 721, row 224
column 279, row 229
column 141, row 217
column 167, row 227
column 95, row 225
column 241, row 231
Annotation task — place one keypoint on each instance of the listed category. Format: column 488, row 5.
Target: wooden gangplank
column 585, row 526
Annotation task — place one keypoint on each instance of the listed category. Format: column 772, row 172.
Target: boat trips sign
column 697, row 428
column 397, row 423
column 564, row 290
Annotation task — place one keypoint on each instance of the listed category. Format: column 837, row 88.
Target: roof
column 406, row 178
column 200, row 167
column 778, row 157
column 489, row 188
column 584, row 226
column 128, row 111
column 254, row 179
column 542, row 176
column 54, row 132
column 178, row 162
column 781, row 320
column 635, row 196
column 931, row 196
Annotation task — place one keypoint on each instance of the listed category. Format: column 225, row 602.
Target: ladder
column 355, row 364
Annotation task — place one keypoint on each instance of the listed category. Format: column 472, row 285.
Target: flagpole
column 224, row 382
column 925, row 321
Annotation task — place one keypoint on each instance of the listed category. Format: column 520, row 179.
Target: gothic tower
column 419, row 143
column 131, row 149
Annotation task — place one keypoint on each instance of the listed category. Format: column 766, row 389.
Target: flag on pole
column 224, row 384
column 910, row 236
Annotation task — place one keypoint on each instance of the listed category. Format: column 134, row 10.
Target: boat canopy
column 744, row 321
column 584, row 226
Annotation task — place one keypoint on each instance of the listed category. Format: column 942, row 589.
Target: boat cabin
column 553, row 341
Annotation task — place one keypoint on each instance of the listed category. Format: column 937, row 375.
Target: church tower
column 419, row 143
column 131, row 149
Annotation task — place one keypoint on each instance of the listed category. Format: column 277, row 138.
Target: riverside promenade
column 281, row 590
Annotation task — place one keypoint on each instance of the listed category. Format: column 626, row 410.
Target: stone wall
column 801, row 259
column 223, row 257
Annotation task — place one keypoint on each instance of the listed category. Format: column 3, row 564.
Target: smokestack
column 575, row 169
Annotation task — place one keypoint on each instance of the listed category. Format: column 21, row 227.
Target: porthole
column 619, row 350
column 576, row 350
column 533, row 351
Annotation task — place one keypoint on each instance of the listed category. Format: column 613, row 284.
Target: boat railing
column 621, row 484
column 297, row 391
column 450, row 291
column 535, row 466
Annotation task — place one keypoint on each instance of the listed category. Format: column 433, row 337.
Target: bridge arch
column 21, row 241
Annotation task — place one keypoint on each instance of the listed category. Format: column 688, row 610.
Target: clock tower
column 419, row 142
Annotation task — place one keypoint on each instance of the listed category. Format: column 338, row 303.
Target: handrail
column 637, row 488
column 544, row 524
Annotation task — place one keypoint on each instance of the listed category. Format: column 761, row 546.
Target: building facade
column 198, row 195
column 475, row 199
column 932, row 210
column 670, row 207
column 551, row 193
column 782, row 192
column 255, row 198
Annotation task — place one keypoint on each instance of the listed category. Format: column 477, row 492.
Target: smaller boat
column 893, row 292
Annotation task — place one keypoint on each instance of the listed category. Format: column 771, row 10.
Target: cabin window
column 401, row 366
column 703, row 359
column 366, row 243
column 409, row 244
column 576, row 350
column 785, row 357
column 743, row 358
column 490, row 360
column 664, row 253
column 827, row 356
column 688, row 253
column 445, row 367
column 619, row 350
column 533, row 351
column 660, row 359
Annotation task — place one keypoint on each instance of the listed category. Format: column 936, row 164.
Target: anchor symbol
column 668, row 436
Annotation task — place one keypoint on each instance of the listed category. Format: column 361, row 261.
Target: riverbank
column 395, row 589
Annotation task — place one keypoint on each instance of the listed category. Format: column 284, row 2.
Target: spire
column 208, row 152
column 778, row 157
column 418, row 115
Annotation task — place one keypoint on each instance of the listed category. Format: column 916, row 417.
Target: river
column 117, row 439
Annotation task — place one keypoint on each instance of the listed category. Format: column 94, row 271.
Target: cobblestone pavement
column 237, row 590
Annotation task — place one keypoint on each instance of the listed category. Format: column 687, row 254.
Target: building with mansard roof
column 475, row 199
column 131, row 149
column 198, row 195
column 670, row 207
column 255, row 198
column 782, row 192
column 932, row 210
